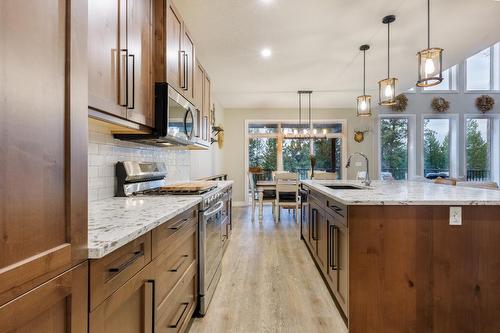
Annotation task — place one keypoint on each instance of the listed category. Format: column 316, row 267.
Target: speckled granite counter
column 115, row 222
column 407, row 193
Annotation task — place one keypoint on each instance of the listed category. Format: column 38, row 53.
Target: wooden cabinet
column 57, row 306
column 43, row 155
column 338, row 264
column 130, row 309
column 190, row 64
column 202, row 100
column 120, row 59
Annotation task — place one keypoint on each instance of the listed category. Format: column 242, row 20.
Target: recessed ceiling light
column 266, row 1
column 266, row 53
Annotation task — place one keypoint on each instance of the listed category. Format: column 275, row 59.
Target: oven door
column 211, row 245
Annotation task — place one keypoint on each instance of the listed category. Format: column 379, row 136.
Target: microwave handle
column 189, row 134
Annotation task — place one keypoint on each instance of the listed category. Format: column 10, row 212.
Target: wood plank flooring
column 269, row 282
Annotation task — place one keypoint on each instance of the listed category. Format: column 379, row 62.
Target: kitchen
column 164, row 170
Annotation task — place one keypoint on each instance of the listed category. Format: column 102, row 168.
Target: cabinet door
column 206, row 127
column 174, row 56
column 306, row 224
column 107, row 58
column 57, row 306
column 139, row 41
column 199, row 79
column 314, row 218
column 128, row 310
column 190, row 64
column 338, row 261
column 322, row 239
column 43, row 130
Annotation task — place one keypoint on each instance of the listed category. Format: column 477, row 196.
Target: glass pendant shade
column 430, row 67
column 387, row 91
column 364, row 107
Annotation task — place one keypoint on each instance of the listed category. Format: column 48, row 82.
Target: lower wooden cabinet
column 130, row 309
column 58, row 305
column 337, row 270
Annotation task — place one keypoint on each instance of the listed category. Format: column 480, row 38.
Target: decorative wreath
column 485, row 103
column 401, row 103
column 439, row 104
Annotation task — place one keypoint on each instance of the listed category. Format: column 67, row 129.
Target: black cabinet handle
column 314, row 213
column 183, row 66
column 124, row 60
column 184, row 307
column 178, row 225
column 333, row 244
column 136, row 255
column 153, row 305
column 179, row 263
column 186, row 71
column 133, row 81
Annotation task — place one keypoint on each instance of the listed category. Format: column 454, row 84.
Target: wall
column 234, row 147
column 104, row 152
column 205, row 163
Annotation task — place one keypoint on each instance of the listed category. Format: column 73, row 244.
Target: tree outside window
column 477, row 149
column 394, row 148
column 436, row 148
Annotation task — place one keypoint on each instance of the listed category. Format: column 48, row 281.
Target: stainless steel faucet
column 367, row 180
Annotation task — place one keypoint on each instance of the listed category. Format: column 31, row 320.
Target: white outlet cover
column 358, row 164
column 455, row 215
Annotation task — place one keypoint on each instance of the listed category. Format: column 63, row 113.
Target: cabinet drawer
column 109, row 273
column 168, row 233
column 330, row 206
column 171, row 264
column 176, row 310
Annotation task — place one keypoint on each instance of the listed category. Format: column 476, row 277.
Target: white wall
column 234, row 147
column 205, row 163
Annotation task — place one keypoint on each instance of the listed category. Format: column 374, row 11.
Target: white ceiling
column 315, row 45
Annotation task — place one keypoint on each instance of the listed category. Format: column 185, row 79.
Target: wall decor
column 485, row 103
column 439, row 104
column 359, row 136
column 220, row 140
column 401, row 103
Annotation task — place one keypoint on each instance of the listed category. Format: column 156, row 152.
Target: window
column 328, row 153
column 262, row 128
column 262, row 153
column 477, row 149
column 394, row 148
column 436, row 148
column 296, row 154
column 449, row 82
column 478, row 70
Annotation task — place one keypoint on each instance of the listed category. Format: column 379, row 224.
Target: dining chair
column 267, row 195
column 287, row 193
column 325, row 176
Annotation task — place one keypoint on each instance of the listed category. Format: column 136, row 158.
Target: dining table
column 261, row 186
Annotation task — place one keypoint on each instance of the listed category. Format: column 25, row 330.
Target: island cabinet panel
column 43, row 131
column 410, row 271
column 120, row 55
column 57, row 306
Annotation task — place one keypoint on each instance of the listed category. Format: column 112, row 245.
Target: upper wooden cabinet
column 120, row 59
column 43, row 155
column 202, row 100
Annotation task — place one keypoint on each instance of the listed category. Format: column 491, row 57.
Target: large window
column 477, row 149
column 436, row 148
column 482, row 69
column 279, row 146
column 394, row 148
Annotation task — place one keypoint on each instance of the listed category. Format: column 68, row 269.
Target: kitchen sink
column 344, row 187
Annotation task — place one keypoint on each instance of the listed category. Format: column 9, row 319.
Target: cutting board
column 191, row 187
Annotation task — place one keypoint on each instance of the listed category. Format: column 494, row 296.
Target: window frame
column 454, row 123
column 454, row 79
column 280, row 136
column 412, row 120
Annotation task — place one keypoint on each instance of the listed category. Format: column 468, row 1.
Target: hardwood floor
column 269, row 282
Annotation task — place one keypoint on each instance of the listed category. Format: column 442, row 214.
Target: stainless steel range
column 214, row 224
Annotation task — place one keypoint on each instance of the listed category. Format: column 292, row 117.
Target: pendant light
column 387, row 86
column 430, row 60
column 305, row 133
column 364, row 107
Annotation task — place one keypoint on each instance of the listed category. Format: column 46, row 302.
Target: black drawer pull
column 136, row 255
column 179, row 263
column 178, row 225
column 184, row 307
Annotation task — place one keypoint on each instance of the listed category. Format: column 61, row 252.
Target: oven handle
column 218, row 208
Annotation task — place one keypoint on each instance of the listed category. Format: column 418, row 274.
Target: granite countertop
column 406, row 193
column 115, row 222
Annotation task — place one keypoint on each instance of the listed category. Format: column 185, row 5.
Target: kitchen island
column 407, row 256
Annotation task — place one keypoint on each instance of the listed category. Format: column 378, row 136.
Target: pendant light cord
column 364, row 72
column 310, row 111
column 388, row 49
column 428, row 24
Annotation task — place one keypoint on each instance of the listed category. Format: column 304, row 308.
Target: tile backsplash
column 104, row 151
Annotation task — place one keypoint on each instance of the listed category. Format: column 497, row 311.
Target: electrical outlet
column 358, row 164
column 455, row 215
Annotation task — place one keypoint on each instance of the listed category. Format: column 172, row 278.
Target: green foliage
column 477, row 147
column 394, row 146
column 436, row 154
column 262, row 152
column 296, row 154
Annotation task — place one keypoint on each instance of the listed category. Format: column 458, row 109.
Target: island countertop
column 117, row 221
column 405, row 193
